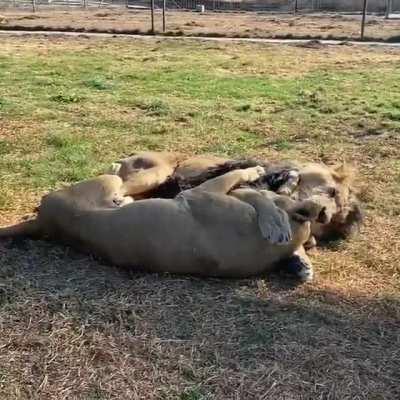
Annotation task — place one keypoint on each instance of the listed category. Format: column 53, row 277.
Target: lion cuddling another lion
column 217, row 218
column 161, row 174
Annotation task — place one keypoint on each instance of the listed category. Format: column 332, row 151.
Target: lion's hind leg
column 145, row 172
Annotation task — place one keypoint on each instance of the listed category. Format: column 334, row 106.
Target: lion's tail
column 26, row 228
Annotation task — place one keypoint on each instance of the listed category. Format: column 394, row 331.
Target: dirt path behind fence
column 258, row 25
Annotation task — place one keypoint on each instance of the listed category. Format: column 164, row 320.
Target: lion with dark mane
column 159, row 174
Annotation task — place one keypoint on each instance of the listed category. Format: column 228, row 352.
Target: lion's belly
column 156, row 235
column 163, row 236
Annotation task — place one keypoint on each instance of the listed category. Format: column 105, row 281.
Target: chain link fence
column 374, row 6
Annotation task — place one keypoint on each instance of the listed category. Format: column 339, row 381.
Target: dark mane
column 176, row 184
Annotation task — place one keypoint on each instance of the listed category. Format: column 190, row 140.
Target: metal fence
column 377, row 6
column 57, row 3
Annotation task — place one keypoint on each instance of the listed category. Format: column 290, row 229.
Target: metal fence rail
column 59, row 3
column 379, row 6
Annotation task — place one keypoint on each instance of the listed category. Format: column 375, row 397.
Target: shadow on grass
column 168, row 336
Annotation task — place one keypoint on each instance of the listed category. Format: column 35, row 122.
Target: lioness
column 202, row 231
column 162, row 174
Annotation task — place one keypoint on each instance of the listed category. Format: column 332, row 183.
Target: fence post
column 152, row 17
column 164, row 6
column 34, row 5
column 364, row 14
column 389, row 5
column 295, row 9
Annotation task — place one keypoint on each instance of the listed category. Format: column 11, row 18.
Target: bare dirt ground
column 255, row 25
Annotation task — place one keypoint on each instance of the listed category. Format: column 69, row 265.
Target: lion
column 216, row 229
column 162, row 174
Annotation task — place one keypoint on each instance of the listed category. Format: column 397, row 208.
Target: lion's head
column 333, row 186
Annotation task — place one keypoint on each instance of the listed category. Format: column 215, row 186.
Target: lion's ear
column 342, row 173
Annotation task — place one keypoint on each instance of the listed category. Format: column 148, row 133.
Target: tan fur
column 318, row 181
column 202, row 231
column 331, row 186
column 146, row 171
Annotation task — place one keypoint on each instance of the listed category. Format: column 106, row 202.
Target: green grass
column 190, row 96
column 82, row 106
column 192, row 394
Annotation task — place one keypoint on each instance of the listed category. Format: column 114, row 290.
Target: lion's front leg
column 273, row 222
column 225, row 183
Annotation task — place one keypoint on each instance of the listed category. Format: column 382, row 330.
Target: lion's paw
column 254, row 173
column 114, row 168
column 299, row 267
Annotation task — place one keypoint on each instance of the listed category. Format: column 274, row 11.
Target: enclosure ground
column 73, row 328
column 246, row 24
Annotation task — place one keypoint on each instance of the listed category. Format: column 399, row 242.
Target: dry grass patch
column 244, row 24
column 104, row 332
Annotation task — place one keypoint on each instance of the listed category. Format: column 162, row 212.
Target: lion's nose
column 323, row 217
column 117, row 202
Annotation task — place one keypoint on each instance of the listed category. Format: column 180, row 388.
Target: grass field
column 72, row 328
